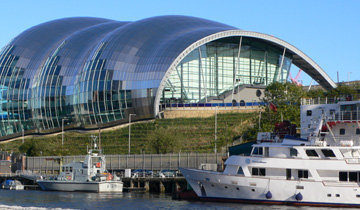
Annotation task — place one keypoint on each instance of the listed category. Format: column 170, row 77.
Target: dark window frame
column 308, row 112
column 258, row 171
column 311, row 153
column 328, row 153
column 303, row 174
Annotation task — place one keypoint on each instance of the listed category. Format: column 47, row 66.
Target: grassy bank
column 159, row 136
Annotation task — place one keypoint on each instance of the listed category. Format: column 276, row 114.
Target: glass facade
column 90, row 73
column 219, row 66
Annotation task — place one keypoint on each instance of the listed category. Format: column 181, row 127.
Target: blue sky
column 325, row 30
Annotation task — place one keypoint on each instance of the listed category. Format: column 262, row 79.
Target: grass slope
column 159, row 136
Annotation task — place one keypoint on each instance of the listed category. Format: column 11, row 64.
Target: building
column 90, row 73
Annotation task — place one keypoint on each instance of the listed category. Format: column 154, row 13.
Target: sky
column 325, row 30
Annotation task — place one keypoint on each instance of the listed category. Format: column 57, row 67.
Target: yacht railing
column 345, row 116
column 342, row 141
column 270, row 138
column 325, row 100
column 352, row 160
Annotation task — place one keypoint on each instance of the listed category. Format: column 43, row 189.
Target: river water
column 34, row 199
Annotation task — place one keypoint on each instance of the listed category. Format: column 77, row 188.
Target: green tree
column 316, row 93
column 164, row 140
column 285, row 99
column 34, row 148
column 342, row 92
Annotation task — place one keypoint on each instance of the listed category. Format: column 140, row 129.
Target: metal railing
column 209, row 105
column 155, row 162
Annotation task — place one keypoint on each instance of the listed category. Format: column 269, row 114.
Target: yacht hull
column 217, row 186
column 72, row 186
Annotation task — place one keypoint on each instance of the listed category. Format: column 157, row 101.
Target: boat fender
column 268, row 195
column 299, row 197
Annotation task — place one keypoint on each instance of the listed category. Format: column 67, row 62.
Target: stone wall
column 205, row 112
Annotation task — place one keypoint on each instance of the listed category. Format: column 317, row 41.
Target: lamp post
column 62, row 131
column 215, row 149
column 23, row 134
column 348, row 77
column 130, row 130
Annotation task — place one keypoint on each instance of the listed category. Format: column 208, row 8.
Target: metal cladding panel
column 152, row 44
column 91, row 72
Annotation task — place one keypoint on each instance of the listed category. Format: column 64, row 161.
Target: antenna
column 93, row 138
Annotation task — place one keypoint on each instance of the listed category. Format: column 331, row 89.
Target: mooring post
column 146, row 186
column 162, row 187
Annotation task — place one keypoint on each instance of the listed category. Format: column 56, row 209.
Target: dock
column 154, row 184
column 138, row 184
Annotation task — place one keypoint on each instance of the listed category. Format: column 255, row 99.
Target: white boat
column 89, row 175
column 319, row 168
column 12, row 185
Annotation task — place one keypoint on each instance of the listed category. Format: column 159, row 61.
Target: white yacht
column 89, row 175
column 321, row 167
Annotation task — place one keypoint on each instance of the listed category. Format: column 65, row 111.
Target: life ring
column 110, row 177
column 98, row 165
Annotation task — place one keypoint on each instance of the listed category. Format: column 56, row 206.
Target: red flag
column 273, row 107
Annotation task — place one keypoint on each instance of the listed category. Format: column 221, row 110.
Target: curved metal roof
column 55, row 59
column 142, row 51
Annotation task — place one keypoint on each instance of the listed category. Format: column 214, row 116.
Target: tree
column 164, row 140
column 286, row 97
column 34, row 148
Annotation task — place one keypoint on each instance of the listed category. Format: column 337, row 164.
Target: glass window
column 258, row 171
column 343, row 176
column 257, row 151
column 303, row 174
column 240, row 171
column 308, row 112
column 328, row 153
column 293, row 152
column 353, row 176
column 357, row 131
column 342, row 131
column 311, row 153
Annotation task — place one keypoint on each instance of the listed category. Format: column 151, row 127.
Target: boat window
column 240, row 171
column 293, row 152
column 257, row 151
column 70, row 169
column 343, row 176
column 332, row 111
column 311, row 153
column 63, row 168
column 328, row 153
column 258, row 171
column 342, row 131
column 308, row 112
column 357, row 131
column 353, row 176
column 66, row 169
column 303, row 174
